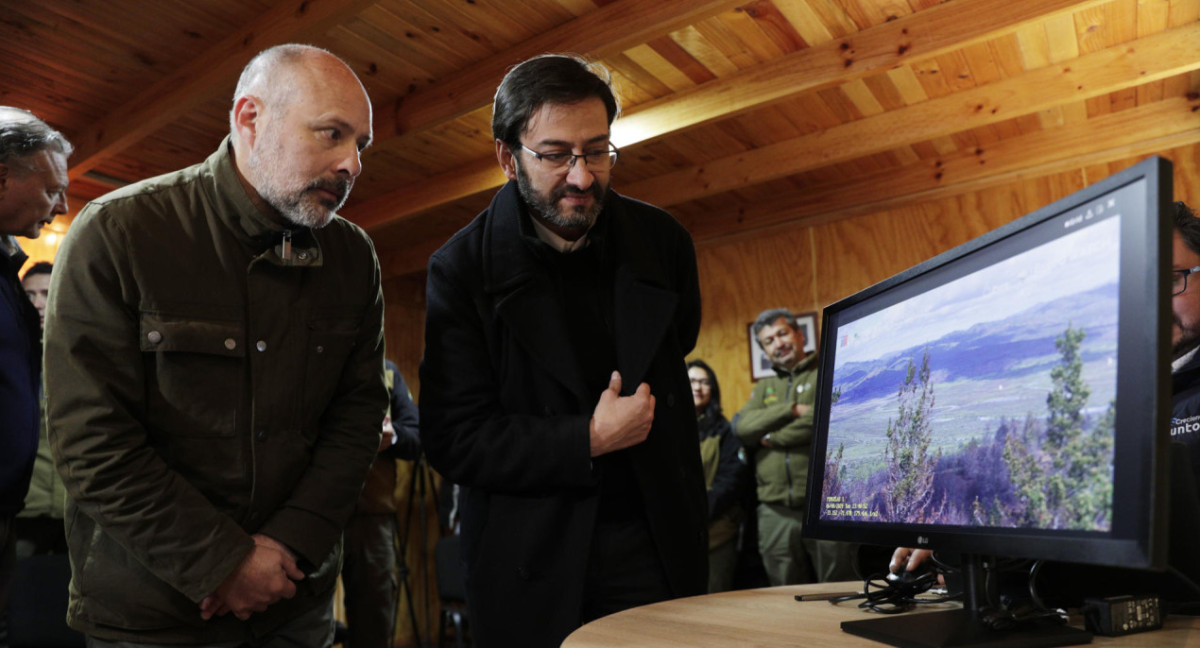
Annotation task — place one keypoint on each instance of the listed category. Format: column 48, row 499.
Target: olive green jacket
column 781, row 470
column 204, row 383
column 46, row 497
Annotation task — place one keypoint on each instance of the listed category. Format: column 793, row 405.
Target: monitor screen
column 1009, row 397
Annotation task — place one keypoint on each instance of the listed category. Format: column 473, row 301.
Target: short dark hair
column 770, row 316
column 547, row 79
column 714, row 403
column 41, row 267
column 22, row 134
column 1187, row 225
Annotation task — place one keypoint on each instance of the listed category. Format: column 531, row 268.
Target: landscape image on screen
column 988, row 401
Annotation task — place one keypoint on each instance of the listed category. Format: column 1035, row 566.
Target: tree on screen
column 1064, row 481
column 910, row 467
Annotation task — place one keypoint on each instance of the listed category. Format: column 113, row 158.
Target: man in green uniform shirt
column 777, row 422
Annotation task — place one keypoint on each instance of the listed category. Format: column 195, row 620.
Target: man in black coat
column 553, row 384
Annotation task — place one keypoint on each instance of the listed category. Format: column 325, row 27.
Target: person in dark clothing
column 33, row 190
column 369, row 559
column 553, row 386
column 39, row 527
column 725, row 476
column 1185, row 333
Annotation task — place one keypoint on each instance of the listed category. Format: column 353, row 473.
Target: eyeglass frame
column 567, row 165
column 1184, row 274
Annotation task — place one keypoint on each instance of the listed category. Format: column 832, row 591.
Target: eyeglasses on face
column 598, row 160
column 1179, row 280
column 700, row 382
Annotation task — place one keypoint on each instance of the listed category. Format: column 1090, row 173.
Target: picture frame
column 760, row 364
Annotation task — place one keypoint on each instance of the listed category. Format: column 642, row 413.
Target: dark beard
column 1189, row 341
column 570, row 225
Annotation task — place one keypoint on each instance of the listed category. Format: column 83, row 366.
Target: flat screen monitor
column 1009, row 397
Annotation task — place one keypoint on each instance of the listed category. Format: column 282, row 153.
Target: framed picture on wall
column 760, row 364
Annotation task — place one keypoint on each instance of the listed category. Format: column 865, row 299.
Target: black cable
column 895, row 595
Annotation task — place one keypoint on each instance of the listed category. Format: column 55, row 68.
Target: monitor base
column 959, row 629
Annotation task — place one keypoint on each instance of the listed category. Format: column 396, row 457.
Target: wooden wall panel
column 737, row 282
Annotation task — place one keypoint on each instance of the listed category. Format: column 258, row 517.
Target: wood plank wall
column 806, row 267
column 800, row 266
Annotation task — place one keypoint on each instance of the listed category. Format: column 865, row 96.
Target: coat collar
column 12, row 255
column 261, row 232
column 801, row 367
column 643, row 301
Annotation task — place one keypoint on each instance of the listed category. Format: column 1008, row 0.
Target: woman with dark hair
column 724, row 476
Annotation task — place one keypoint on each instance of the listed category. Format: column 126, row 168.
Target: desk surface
column 771, row 617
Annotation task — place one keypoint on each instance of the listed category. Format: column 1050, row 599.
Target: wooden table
column 769, row 617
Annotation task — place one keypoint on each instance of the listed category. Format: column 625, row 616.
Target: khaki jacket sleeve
column 757, row 420
column 95, row 387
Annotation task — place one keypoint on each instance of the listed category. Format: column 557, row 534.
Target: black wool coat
column 505, row 412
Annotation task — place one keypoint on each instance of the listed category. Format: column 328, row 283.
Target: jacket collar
column 643, row 302
column 12, row 255
column 263, row 233
column 801, row 367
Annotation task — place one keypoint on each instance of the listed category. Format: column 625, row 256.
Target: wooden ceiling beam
column 213, row 71
column 1131, row 133
column 481, row 175
column 912, row 38
column 609, row 30
column 1109, row 70
column 906, row 40
column 1145, row 130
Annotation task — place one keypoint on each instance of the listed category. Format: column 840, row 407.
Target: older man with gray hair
column 33, row 190
column 214, row 354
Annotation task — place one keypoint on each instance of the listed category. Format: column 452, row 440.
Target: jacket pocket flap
column 163, row 332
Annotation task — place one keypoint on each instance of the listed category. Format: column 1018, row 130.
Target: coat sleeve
column 687, row 320
column 756, row 419
column 312, row 519
column 95, row 386
column 466, row 432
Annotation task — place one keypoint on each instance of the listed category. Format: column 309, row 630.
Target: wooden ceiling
column 738, row 116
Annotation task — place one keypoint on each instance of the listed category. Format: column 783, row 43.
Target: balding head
column 273, row 73
column 300, row 119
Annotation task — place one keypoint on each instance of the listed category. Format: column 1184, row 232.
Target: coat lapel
column 525, row 295
column 642, row 310
column 642, row 316
column 536, row 320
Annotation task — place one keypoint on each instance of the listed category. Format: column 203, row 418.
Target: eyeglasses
column 1179, row 280
column 595, row 160
column 700, row 382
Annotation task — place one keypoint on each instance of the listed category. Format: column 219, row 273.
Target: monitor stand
column 962, row 628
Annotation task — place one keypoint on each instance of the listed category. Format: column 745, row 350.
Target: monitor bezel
column 1143, row 399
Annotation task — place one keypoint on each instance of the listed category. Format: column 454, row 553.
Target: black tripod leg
column 402, row 569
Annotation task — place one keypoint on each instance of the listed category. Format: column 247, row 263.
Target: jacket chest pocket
column 331, row 340
column 194, row 373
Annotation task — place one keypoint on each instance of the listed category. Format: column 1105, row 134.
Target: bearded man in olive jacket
column 214, row 359
column 553, row 386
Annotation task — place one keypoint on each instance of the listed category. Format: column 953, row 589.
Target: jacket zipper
column 287, row 245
